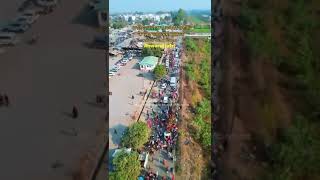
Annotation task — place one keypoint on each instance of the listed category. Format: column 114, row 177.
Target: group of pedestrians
column 4, row 100
column 163, row 119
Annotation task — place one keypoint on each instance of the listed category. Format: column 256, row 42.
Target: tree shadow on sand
column 67, row 114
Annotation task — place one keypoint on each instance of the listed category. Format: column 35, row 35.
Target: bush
column 136, row 135
column 127, row 166
column 159, row 71
column 189, row 67
column 190, row 45
column 152, row 52
column 297, row 155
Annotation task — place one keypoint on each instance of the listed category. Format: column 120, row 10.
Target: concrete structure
column 148, row 63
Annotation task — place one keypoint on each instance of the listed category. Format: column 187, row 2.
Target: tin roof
column 149, row 60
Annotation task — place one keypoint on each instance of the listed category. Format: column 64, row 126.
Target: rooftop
column 149, row 60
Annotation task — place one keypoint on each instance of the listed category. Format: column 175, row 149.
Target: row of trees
column 127, row 165
column 152, row 52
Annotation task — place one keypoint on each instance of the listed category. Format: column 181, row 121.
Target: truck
column 173, row 81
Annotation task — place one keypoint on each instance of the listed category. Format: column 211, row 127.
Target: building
column 102, row 12
column 148, row 63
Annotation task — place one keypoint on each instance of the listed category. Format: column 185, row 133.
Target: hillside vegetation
column 286, row 34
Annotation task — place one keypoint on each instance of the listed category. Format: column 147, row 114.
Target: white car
column 112, row 73
column 165, row 99
column 163, row 86
column 124, row 60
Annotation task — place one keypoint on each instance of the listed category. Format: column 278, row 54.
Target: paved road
column 43, row 82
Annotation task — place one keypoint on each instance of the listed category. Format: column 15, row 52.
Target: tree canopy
column 159, row 71
column 119, row 23
column 179, row 18
column 136, row 135
column 126, row 166
column 152, row 52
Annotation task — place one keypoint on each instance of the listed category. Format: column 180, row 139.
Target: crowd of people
column 163, row 118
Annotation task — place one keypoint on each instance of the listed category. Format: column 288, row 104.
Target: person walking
column 132, row 97
column 115, row 131
column 98, row 99
column 74, row 112
column 6, row 100
column 1, row 100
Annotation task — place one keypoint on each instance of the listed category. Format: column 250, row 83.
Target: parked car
column 112, row 73
column 31, row 16
column 163, row 86
column 124, row 60
column 113, row 70
column 8, row 39
column 116, row 67
column 47, row 3
column 16, row 27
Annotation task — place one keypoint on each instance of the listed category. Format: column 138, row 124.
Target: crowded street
column 161, row 113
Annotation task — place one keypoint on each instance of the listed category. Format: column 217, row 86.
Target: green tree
column 297, row 155
column 147, row 52
column 119, row 23
column 179, row 18
column 152, row 52
column 126, row 166
column 204, row 108
column 146, row 22
column 136, row 135
column 159, row 71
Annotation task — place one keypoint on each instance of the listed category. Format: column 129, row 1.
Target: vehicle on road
column 165, row 99
column 8, row 39
column 163, row 86
column 173, row 81
column 16, row 27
